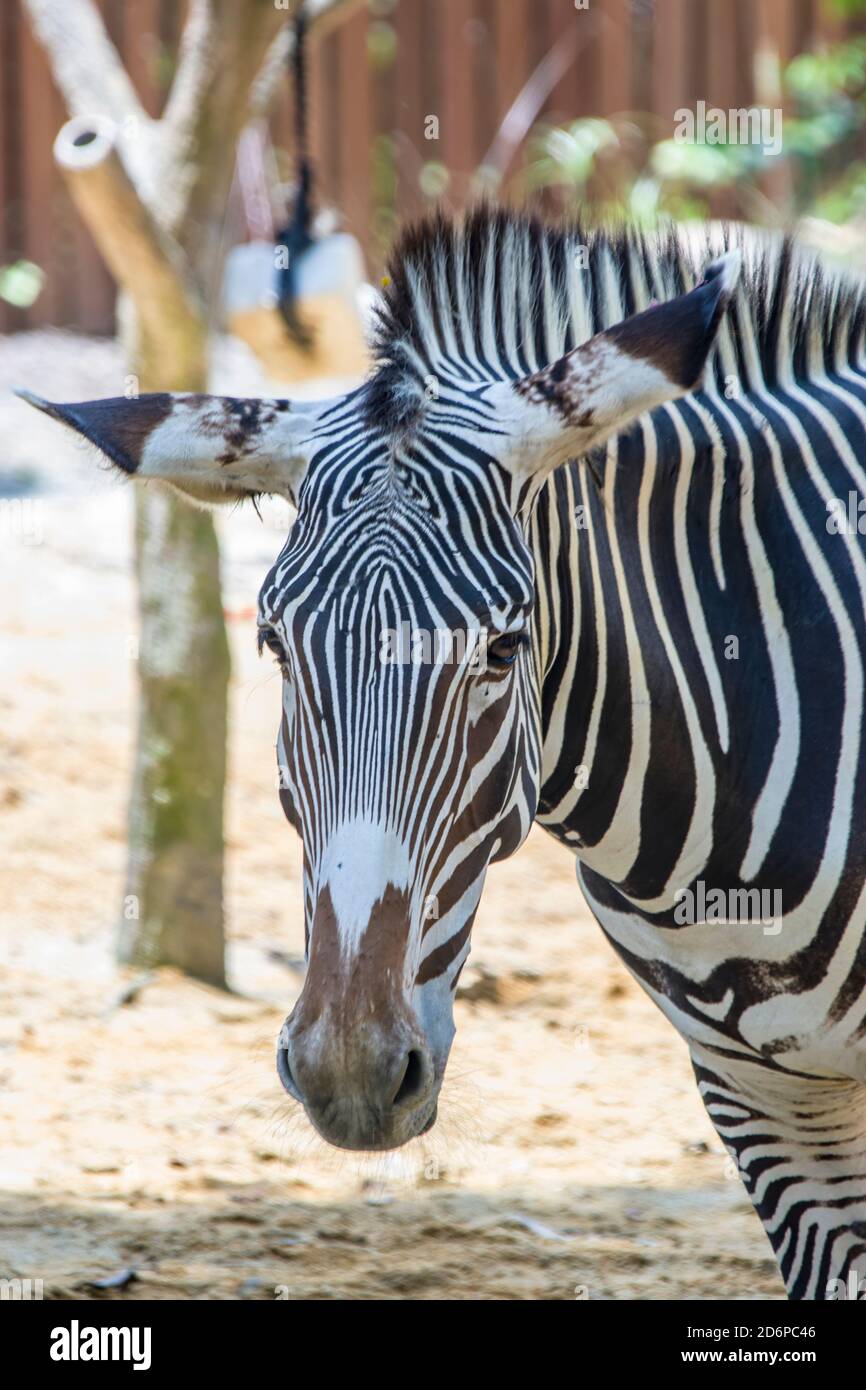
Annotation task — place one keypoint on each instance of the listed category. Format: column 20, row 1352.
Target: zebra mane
column 501, row 293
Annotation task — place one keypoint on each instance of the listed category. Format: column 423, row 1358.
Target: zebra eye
column 502, row 651
column 267, row 637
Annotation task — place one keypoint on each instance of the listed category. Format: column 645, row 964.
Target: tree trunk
column 153, row 194
column 173, row 904
column 173, row 909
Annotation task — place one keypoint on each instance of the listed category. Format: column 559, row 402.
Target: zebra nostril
column 284, row 1071
column 413, row 1081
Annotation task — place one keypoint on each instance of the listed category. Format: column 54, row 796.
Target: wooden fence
column 375, row 80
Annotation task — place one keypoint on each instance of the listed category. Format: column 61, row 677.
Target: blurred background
column 146, row 1148
column 529, row 95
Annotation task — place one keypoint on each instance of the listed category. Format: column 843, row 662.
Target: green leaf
column 21, row 283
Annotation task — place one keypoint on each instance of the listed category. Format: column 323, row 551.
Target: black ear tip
column 724, row 272
column 102, row 422
column 39, row 402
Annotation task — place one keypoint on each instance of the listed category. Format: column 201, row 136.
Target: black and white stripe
column 677, row 683
column 705, row 523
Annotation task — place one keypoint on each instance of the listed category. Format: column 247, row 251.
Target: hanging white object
column 329, row 295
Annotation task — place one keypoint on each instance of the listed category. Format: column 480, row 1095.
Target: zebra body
column 676, row 638
column 672, row 757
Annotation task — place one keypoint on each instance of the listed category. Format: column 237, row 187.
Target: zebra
column 618, row 459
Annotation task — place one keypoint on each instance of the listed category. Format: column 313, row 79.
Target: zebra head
column 404, row 616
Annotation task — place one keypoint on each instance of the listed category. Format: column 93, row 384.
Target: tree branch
column 143, row 259
column 324, row 16
column 232, row 56
column 224, row 45
column 84, row 61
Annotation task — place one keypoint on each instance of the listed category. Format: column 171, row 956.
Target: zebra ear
column 599, row 388
column 212, row 449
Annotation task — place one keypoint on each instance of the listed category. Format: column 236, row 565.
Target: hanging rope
column 296, row 237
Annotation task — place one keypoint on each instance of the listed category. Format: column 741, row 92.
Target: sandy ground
column 143, row 1131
